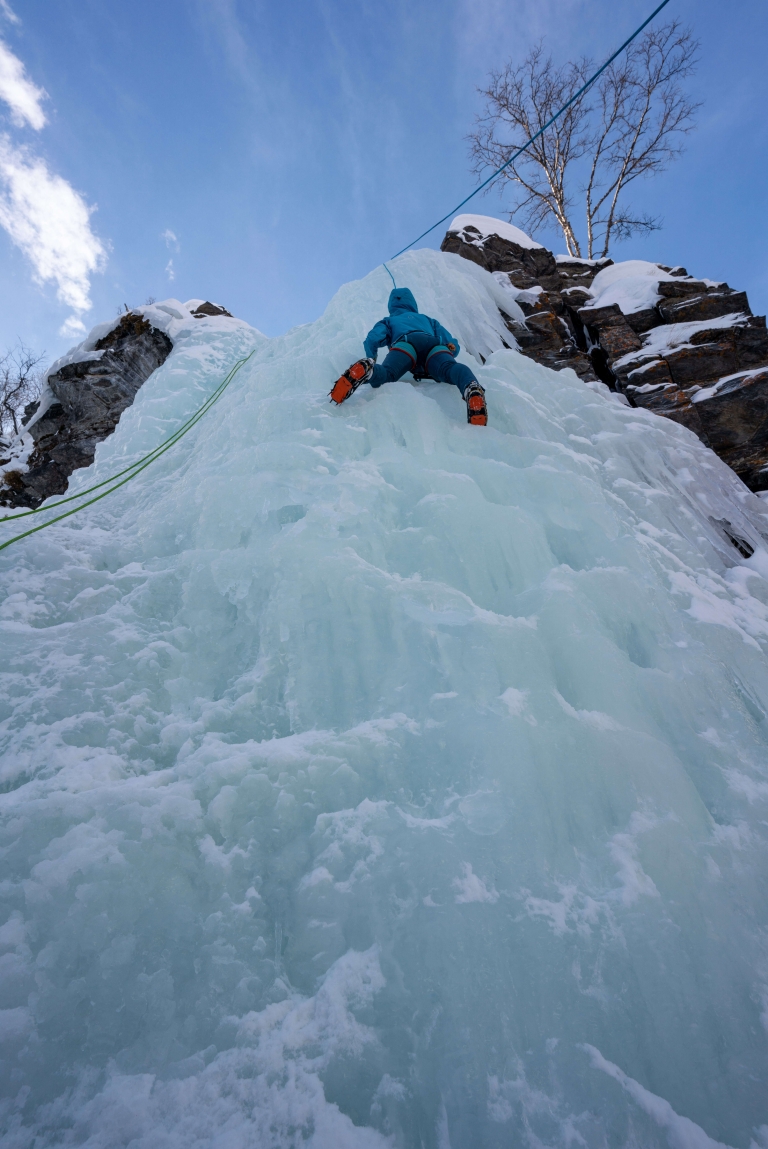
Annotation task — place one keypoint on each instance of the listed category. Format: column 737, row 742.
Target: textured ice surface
column 374, row 780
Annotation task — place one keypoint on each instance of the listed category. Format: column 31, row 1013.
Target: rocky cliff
column 686, row 348
column 83, row 402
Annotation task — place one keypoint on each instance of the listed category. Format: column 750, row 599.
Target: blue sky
column 261, row 154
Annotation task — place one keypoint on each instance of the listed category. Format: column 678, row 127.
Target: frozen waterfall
column 371, row 780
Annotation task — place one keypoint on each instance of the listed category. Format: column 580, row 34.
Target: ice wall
column 374, row 780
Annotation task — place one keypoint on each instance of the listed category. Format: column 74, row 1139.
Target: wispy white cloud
column 72, row 326
column 50, row 222
column 42, row 213
column 8, row 12
column 17, row 90
column 172, row 243
column 489, row 32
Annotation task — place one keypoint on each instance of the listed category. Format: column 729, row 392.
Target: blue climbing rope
column 540, row 132
column 125, row 476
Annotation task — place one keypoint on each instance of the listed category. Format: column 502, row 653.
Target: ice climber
column 418, row 344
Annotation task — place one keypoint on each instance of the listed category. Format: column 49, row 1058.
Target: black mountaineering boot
column 358, row 373
column 477, row 412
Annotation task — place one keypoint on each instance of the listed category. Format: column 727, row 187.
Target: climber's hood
column 377, row 715
column 400, row 300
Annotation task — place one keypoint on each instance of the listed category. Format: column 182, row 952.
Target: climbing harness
column 127, row 473
column 476, row 412
column 540, row 132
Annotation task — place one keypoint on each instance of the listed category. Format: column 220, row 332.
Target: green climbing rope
column 128, row 473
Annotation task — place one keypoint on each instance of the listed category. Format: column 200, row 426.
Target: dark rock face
column 643, row 321
column 735, row 421
column 528, row 266
column 615, row 335
column 674, row 403
column 681, row 288
column 667, row 383
column 708, row 355
column 692, row 364
column 550, row 336
column 700, row 307
column 206, row 309
column 91, row 397
column 575, row 297
column 663, row 372
column 580, row 272
column 645, row 373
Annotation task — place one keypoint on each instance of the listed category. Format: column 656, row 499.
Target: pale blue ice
column 370, row 779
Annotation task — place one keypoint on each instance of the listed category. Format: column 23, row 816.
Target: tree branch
column 632, row 123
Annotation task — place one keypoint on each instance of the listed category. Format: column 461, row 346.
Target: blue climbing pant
column 426, row 354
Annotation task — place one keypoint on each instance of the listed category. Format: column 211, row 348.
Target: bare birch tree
column 629, row 124
column 20, row 384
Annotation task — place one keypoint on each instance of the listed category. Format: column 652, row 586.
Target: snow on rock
column 167, row 315
column 569, row 259
column 84, row 401
column 725, row 383
column 487, row 225
column 592, row 315
column 660, row 340
column 361, row 768
column 631, row 284
column 160, row 315
column 87, row 391
column 84, row 352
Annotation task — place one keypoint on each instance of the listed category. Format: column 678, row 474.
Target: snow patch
column 471, row 888
column 721, row 384
column 488, row 225
column 632, row 284
column 668, row 336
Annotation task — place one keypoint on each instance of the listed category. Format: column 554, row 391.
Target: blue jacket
column 404, row 316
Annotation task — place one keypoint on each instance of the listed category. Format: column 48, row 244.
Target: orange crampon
column 358, row 373
column 477, row 412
